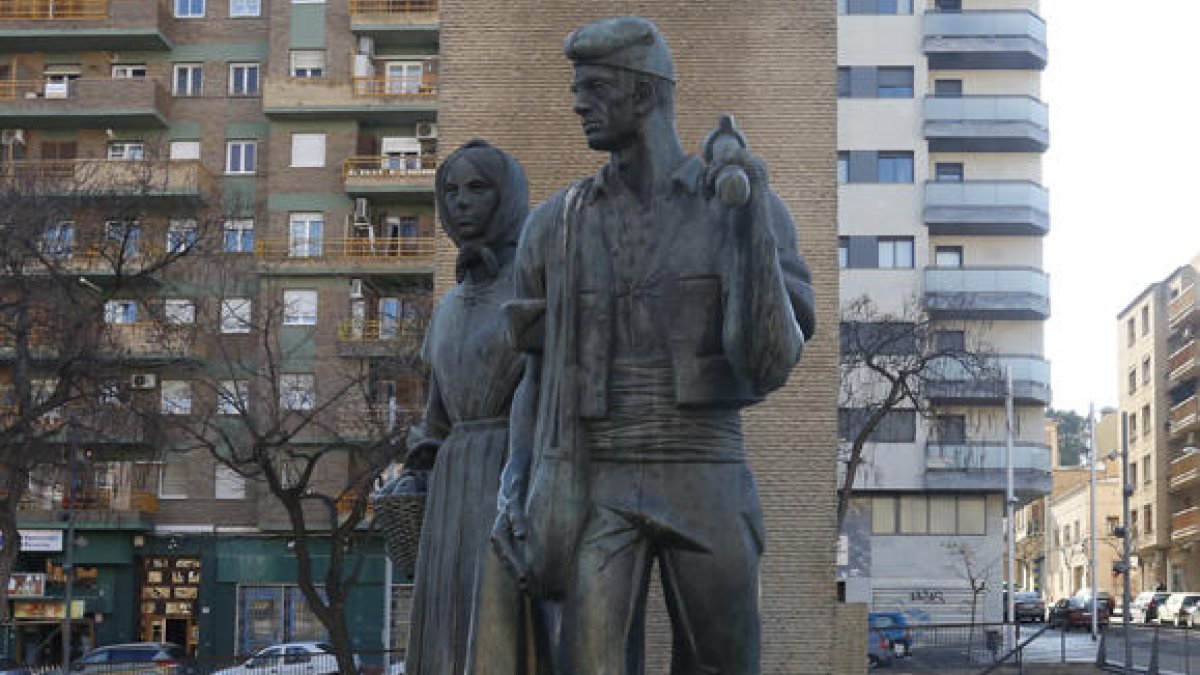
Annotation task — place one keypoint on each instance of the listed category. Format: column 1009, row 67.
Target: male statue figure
column 654, row 301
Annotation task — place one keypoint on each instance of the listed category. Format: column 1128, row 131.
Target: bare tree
column 317, row 439
column 975, row 572
column 892, row 362
column 74, row 235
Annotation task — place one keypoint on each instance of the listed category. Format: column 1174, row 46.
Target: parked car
column 879, row 649
column 1028, row 606
column 1144, row 607
column 290, row 658
column 10, row 667
column 895, row 627
column 1178, row 609
column 1076, row 612
column 1102, row 597
column 135, row 658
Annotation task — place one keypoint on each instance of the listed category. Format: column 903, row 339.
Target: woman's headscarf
column 504, row 226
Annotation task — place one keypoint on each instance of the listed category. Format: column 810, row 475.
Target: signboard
column 41, row 541
column 45, row 609
column 26, row 585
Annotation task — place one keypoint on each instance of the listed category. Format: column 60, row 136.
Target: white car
column 292, row 658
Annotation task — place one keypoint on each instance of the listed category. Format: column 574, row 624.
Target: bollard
column 1187, row 651
column 1101, row 651
column 1062, row 644
column 1151, row 669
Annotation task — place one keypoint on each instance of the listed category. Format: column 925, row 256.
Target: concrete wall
column 772, row 64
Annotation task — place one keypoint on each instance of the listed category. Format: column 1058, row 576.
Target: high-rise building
column 942, row 214
column 1157, row 371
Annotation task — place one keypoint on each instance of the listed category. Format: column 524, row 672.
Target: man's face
column 604, row 101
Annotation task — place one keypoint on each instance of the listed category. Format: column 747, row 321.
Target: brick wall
column 771, row 63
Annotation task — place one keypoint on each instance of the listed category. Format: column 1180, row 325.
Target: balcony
column 1184, row 363
column 355, row 256
column 1185, row 416
column 97, row 508
column 382, row 176
column 1185, row 525
column 985, row 40
column 98, row 426
column 370, row 423
column 1015, row 208
column 84, row 25
column 987, row 124
column 358, row 338
column 1000, row 293
column 82, row 178
column 83, row 103
column 1185, row 471
column 984, row 466
column 395, row 23
column 952, row 382
column 148, row 342
column 374, row 99
column 1183, row 306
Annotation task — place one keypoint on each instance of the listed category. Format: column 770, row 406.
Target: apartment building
column 1157, row 371
column 942, row 210
column 310, row 128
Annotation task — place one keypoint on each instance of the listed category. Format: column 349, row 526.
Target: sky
column 1124, row 121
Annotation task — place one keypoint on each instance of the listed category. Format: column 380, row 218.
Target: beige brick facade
column 771, row 64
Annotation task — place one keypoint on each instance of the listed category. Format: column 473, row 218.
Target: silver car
column 1178, row 609
column 291, row 658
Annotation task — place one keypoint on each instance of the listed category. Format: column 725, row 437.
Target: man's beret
column 628, row 42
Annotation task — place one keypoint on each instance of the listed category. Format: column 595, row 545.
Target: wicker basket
column 400, row 510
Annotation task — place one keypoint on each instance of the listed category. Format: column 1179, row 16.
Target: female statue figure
column 467, row 610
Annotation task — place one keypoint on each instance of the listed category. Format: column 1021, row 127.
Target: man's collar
column 686, row 176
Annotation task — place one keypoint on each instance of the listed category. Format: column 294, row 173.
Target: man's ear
column 643, row 95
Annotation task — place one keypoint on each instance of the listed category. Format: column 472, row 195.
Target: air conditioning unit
column 356, row 288
column 426, row 130
column 366, row 45
column 143, row 380
column 362, row 210
column 12, row 137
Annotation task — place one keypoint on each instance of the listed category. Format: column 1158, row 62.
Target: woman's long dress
column 463, row 601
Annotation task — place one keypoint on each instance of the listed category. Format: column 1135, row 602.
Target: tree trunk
column 15, row 483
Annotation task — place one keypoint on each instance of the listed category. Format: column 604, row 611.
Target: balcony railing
column 372, row 422
column 133, row 340
column 987, row 292
column 109, row 177
column 987, row 124
column 354, row 250
column 88, row 102
column 1185, row 470
column 396, row 87
column 1185, row 525
column 328, row 95
column 1183, row 306
column 373, row 174
column 1184, row 362
column 985, row 39
column 94, row 500
column 1185, row 416
column 986, row 208
column 372, row 9
column 951, row 380
column 983, row 465
column 374, row 330
column 54, row 10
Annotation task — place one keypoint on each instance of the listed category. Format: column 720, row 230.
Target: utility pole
column 1126, row 491
column 69, row 564
column 1009, row 503
column 1093, row 457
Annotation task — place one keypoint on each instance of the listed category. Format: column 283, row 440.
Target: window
column 1146, row 475
column 843, row 252
column 943, row 514
column 1146, row 370
column 1148, row 518
column 189, row 79
column 308, row 63
column 1133, row 427
column 125, row 234
column 185, row 150
column 914, row 514
column 947, row 88
column 932, row 514
column 1132, row 380
column 240, row 156
column 243, row 79
column 239, row 235
column 180, row 312
column 58, row 240
column 972, row 515
column 897, row 426
column 883, row 515
column 950, row 341
column 1133, row 474
column 895, row 252
column 948, row 5
column 233, row 397
column 176, row 397
column 895, row 82
column 1130, row 332
column 189, row 9
column 1146, row 320
column 175, row 477
column 948, row 172
column 241, row 8
column 843, row 82
column 228, row 484
column 308, row 150
column 950, row 429
column 299, row 308
column 305, row 234
column 235, row 315
column 129, row 72
column 126, row 150
column 875, row 7
column 120, row 311
column 297, row 392
column 1146, row 419
column 1111, row 523
column 948, row 256
column 895, row 167
column 1133, row 521
column 181, row 235
column 843, row 167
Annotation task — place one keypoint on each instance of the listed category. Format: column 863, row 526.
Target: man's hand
column 509, row 534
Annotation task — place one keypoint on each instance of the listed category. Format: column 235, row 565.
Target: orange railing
column 1182, row 305
column 392, row 7
column 390, row 169
column 353, row 248
column 1185, row 470
column 372, row 330
column 1185, row 524
column 396, row 87
column 54, row 9
column 108, row 176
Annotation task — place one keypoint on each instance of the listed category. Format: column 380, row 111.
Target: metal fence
column 1152, row 649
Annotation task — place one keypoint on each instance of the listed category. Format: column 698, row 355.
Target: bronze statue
column 654, row 300
column 468, row 614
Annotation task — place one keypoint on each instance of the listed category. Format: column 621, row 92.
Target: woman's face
column 470, row 199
